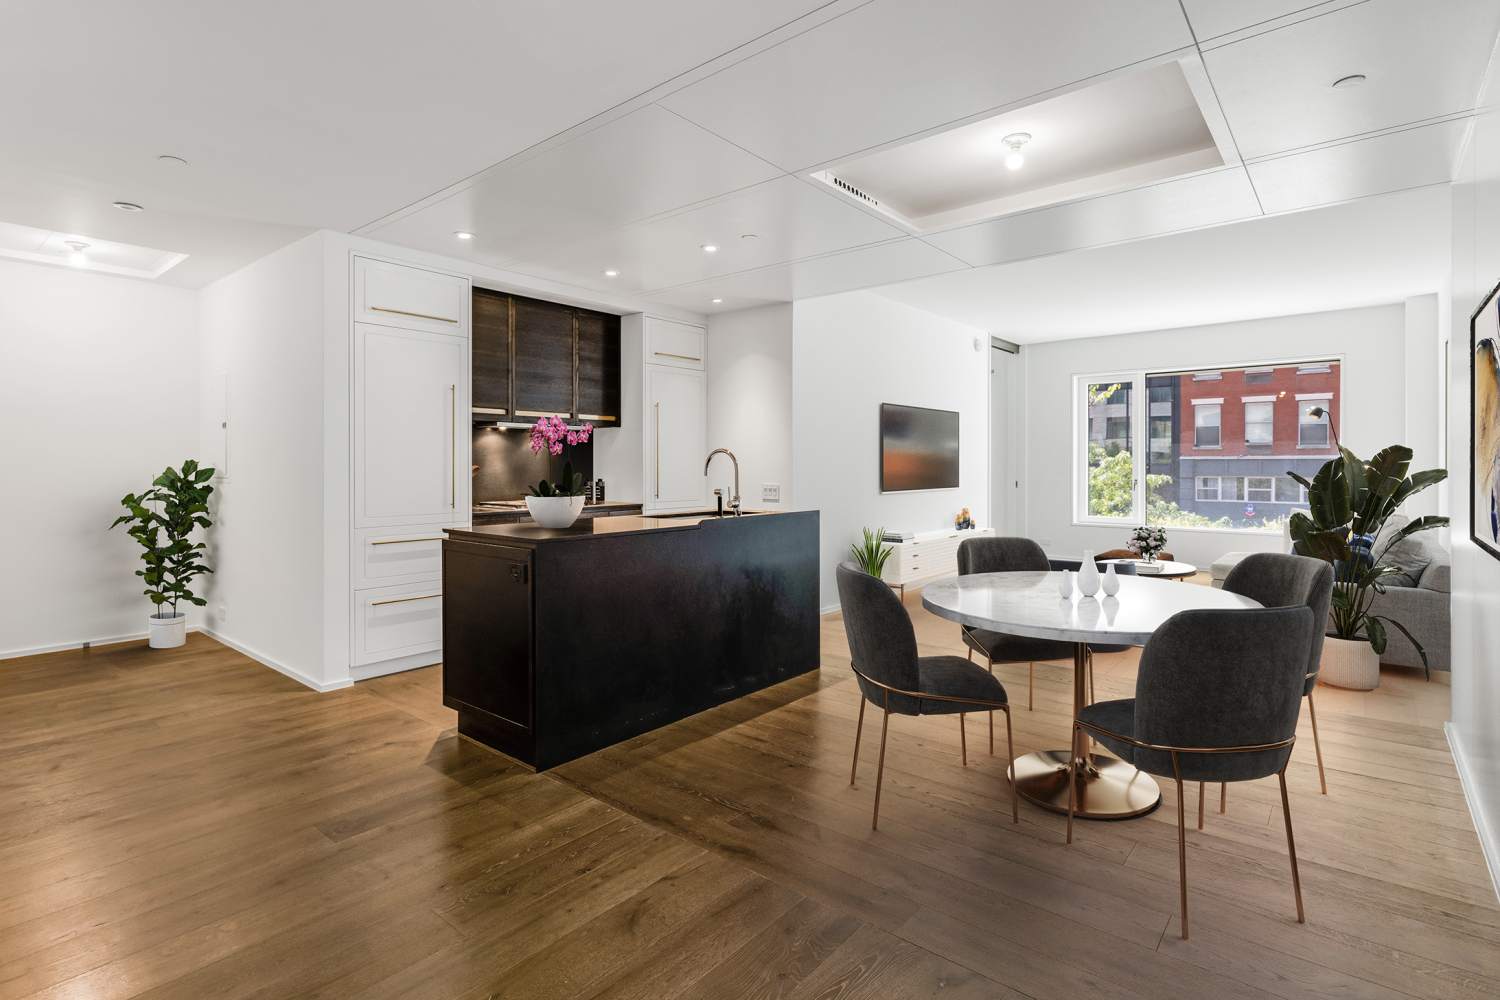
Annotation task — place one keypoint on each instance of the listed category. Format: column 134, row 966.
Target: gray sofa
column 1424, row 610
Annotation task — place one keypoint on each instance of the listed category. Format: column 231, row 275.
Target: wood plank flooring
column 188, row 823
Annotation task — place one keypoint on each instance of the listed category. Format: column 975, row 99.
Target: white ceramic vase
column 554, row 512
column 1111, row 582
column 1088, row 575
column 1349, row 663
column 164, row 631
column 1065, row 585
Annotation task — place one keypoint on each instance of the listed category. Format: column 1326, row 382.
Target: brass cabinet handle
column 540, row 413
column 657, row 450
column 664, row 354
column 398, row 600
column 403, row 312
column 453, row 447
column 403, row 541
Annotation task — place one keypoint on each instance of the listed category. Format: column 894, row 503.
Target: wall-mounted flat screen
column 918, row 448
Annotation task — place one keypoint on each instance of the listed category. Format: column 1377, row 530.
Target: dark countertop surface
column 500, row 515
column 528, row 532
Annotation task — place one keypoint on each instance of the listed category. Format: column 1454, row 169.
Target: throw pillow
column 1410, row 554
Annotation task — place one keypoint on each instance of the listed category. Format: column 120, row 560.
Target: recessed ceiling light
column 172, row 161
column 1345, row 82
column 1015, row 141
column 128, row 206
column 716, row 301
column 611, row 273
column 77, row 257
column 464, row 236
column 710, row 248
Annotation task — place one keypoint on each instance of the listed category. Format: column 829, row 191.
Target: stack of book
column 897, row 536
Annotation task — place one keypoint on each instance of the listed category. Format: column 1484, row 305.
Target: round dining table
column 1030, row 604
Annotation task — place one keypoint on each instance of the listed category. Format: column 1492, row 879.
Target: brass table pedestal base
column 1111, row 789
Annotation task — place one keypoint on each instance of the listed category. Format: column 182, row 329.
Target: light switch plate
column 770, row 493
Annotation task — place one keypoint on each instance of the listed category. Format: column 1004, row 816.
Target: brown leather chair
column 1127, row 554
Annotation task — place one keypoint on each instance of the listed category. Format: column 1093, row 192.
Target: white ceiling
column 575, row 138
column 1362, row 253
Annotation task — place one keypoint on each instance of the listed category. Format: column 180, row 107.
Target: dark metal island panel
column 558, row 643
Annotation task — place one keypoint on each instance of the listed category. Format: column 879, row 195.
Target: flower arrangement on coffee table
column 1147, row 541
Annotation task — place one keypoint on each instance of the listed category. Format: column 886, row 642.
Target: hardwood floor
column 188, row 823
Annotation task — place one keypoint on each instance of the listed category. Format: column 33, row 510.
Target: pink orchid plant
column 550, row 432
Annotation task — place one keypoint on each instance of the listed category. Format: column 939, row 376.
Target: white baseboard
column 1489, row 836
column 396, row 666
column 279, row 667
column 38, row 650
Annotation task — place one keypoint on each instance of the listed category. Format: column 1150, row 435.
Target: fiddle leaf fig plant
column 161, row 519
column 871, row 555
column 570, row 485
column 1350, row 501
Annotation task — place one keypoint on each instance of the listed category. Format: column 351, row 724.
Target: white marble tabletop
column 1028, row 604
column 1164, row 567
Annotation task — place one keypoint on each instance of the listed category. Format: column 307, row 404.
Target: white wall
column 264, row 326
column 98, row 394
column 1475, row 731
column 1371, row 343
column 850, row 353
column 750, row 402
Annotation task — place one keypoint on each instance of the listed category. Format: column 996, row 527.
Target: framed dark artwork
column 918, row 449
column 1484, row 432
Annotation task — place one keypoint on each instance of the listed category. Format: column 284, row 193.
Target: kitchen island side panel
column 634, row 631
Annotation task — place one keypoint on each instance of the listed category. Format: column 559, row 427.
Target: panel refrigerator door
column 676, row 445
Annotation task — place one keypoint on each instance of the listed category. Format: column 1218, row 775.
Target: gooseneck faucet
column 734, row 504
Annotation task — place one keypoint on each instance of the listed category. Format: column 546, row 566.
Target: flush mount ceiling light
column 611, row 273
column 710, row 248
column 172, row 161
column 128, row 206
column 463, row 235
column 716, row 301
column 1345, row 82
column 1015, row 141
column 77, row 247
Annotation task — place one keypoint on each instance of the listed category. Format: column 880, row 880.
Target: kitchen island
column 561, row 642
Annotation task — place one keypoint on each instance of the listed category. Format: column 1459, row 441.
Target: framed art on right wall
column 1484, row 433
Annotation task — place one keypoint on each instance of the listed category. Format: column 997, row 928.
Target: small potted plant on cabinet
column 172, row 559
column 870, row 555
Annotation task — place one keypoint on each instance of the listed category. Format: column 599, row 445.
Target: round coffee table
column 1028, row 604
column 1166, row 569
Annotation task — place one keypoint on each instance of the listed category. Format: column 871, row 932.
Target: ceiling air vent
column 848, row 188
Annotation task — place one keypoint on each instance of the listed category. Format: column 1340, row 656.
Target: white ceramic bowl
column 555, row 512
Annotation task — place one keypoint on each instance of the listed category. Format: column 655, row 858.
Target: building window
column 1258, row 376
column 1323, row 369
column 1208, row 488
column 1206, row 425
column 1288, row 490
column 1259, row 422
column 1207, row 376
column 1312, row 431
column 1258, row 489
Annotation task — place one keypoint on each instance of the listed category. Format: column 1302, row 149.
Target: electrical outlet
column 770, row 493
column 221, row 612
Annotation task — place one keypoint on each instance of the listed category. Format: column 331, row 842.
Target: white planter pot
column 165, row 631
column 555, row 512
column 1349, row 663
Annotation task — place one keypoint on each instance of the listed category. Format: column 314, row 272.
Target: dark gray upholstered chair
column 1121, row 569
column 1008, row 555
column 1216, row 699
column 883, row 645
column 1282, row 581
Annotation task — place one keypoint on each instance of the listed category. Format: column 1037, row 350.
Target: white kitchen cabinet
column 387, row 556
column 412, row 298
column 673, row 344
column 391, row 622
column 676, row 444
column 411, row 427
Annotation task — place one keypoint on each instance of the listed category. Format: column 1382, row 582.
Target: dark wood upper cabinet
column 534, row 359
column 599, row 369
column 543, row 358
column 491, row 332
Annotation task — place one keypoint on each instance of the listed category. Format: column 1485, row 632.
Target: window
column 1206, row 425
column 1207, row 376
column 1258, row 489
column 1258, row 376
column 1161, row 440
column 1314, row 369
column 1259, row 419
column 1231, row 488
column 1110, row 467
column 1117, row 429
column 1312, row 431
column 1288, row 490
column 1208, row 488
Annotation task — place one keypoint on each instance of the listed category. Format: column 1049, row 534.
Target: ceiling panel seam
column 1228, row 125
column 785, row 263
column 1364, row 136
column 1278, row 23
column 746, row 50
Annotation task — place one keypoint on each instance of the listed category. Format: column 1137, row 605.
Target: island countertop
column 530, row 533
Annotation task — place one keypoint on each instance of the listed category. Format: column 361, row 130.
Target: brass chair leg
column 858, row 729
column 880, row 768
column 1181, row 846
column 1030, row 686
column 1291, row 846
column 971, row 655
column 1010, row 749
column 1200, row 805
column 1223, row 796
column 992, row 734
column 963, row 739
column 1088, row 659
column 1317, row 749
column 1072, row 786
